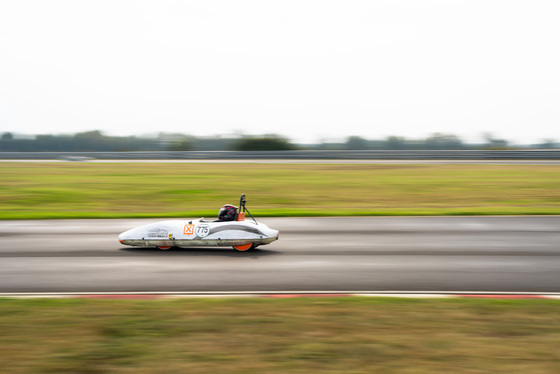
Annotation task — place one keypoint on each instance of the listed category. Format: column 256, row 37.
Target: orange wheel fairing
column 242, row 248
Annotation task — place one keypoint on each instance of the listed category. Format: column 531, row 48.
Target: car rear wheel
column 244, row 248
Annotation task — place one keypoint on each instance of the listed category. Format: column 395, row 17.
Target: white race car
column 231, row 229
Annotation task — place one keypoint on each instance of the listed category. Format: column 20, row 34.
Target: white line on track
column 219, row 294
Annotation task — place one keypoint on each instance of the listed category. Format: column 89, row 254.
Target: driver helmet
column 227, row 213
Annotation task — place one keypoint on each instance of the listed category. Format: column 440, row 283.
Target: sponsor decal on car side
column 157, row 233
column 189, row 229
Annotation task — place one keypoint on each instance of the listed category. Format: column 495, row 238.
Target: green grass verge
column 88, row 190
column 325, row 335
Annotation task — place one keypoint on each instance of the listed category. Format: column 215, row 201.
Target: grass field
column 89, row 190
column 330, row 335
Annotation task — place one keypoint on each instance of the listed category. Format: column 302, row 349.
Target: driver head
column 227, row 212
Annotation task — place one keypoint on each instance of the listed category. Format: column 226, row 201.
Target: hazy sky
column 308, row 70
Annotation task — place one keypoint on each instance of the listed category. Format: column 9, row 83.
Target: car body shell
column 200, row 232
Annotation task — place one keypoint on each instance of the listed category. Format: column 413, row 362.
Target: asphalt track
column 477, row 254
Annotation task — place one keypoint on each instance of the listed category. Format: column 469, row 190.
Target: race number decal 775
column 202, row 230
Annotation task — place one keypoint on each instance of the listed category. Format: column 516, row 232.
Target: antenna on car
column 244, row 209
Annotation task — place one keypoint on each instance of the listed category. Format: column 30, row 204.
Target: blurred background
column 461, row 96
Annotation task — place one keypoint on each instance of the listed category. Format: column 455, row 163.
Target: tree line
column 96, row 141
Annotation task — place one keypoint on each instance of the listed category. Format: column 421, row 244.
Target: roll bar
column 243, row 208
